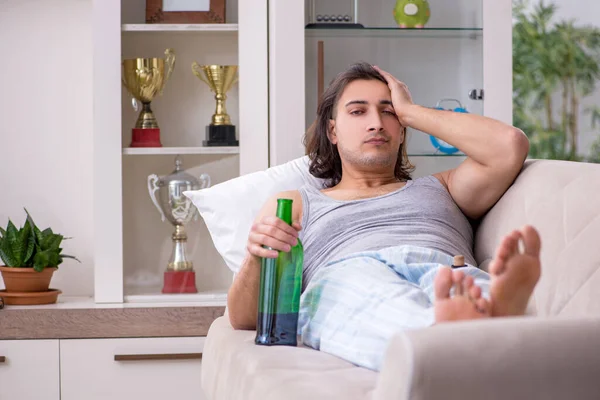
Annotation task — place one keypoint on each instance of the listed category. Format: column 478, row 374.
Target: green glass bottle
column 279, row 293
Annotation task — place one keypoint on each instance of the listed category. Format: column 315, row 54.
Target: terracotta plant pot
column 26, row 279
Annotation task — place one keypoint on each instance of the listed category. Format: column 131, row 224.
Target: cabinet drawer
column 29, row 369
column 119, row 369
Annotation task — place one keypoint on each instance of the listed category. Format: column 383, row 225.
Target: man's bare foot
column 466, row 303
column 515, row 274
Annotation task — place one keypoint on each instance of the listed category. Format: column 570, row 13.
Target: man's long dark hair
column 325, row 162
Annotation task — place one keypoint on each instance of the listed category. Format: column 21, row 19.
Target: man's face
column 365, row 128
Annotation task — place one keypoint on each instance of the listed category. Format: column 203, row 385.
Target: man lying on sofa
column 377, row 244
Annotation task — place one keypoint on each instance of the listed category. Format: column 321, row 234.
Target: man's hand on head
column 401, row 97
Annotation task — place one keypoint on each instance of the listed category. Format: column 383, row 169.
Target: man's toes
column 475, row 292
column 531, row 240
column 495, row 267
column 457, row 281
column 442, row 283
column 457, row 276
column 468, row 283
column 483, row 306
column 508, row 246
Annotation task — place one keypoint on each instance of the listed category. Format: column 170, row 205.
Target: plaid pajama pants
column 353, row 306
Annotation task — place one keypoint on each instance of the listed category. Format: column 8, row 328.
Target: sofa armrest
column 500, row 358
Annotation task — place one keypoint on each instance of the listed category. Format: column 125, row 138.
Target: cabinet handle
column 145, row 357
column 2, row 359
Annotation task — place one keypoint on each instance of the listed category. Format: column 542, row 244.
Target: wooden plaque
column 156, row 15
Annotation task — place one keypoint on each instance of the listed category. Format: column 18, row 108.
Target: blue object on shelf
column 440, row 144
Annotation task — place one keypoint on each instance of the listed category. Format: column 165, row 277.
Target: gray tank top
column 421, row 213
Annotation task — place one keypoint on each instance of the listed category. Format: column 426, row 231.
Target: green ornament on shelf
column 412, row 13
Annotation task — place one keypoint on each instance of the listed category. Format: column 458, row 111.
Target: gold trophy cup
column 219, row 78
column 144, row 79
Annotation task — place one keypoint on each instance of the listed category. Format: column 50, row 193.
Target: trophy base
column 220, row 135
column 179, row 282
column 145, row 137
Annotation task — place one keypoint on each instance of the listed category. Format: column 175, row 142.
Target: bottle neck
column 284, row 210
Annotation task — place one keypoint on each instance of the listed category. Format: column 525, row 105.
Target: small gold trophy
column 220, row 78
column 144, row 78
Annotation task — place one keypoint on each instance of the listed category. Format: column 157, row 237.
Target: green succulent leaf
column 54, row 242
column 2, row 232
column 40, row 261
column 54, row 259
column 23, row 247
column 36, row 230
column 68, row 256
column 47, row 232
column 50, row 240
column 6, row 254
column 11, row 233
column 29, row 218
column 28, row 258
column 37, row 235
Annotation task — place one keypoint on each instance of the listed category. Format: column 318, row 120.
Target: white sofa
column 553, row 353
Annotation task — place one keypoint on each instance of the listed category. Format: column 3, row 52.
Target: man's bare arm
column 242, row 298
column 495, row 154
column 495, row 151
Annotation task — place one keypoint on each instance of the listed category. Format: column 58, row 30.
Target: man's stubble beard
column 367, row 160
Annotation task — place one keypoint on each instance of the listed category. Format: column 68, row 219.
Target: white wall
column 46, row 126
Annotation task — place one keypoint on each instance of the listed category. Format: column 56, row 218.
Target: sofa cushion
column 236, row 368
column 560, row 199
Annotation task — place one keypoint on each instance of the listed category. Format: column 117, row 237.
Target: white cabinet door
column 29, row 370
column 123, row 369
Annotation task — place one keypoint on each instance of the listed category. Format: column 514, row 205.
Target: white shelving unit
column 268, row 40
column 466, row 45
column 209, row 298
column 132, row 244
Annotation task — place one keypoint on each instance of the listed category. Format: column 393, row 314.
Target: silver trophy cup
column 176, row 208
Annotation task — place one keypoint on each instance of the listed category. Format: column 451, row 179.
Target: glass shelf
column 154, row 295
column 436, row 155
column 180, row 150
column 394, row 32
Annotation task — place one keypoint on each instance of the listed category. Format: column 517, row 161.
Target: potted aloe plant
column 30, row 256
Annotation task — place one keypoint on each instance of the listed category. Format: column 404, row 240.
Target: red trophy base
column 145, row 137
column 180, row 282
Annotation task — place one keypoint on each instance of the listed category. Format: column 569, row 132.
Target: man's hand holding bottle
column 273, row 232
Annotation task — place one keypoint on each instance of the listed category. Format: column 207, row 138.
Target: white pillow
column 229, row 208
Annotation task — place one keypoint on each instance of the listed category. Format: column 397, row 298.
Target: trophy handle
column 134, row 102
column 152, row 188
column 204, row 181
column 122, row 77
column 197, row 70
column 170, row 61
